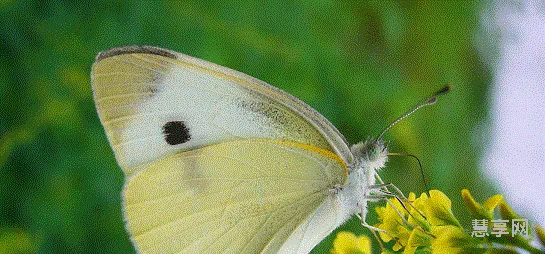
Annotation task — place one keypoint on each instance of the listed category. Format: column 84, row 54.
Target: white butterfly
column 216, row 161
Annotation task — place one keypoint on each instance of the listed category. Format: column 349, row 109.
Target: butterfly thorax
column 370, row 155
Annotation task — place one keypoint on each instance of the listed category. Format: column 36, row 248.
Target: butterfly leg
column 374, row 231
column 386, row 185
column 387, row 197
column 398, row 194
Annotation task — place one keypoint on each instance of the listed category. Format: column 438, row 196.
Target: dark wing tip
column 135, row 50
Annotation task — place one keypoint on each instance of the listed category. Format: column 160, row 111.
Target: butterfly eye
column 371, row 150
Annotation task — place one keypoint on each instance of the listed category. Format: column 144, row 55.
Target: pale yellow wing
column 241, row 196
column 154, row 103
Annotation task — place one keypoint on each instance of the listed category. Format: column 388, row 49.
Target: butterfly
column 216, row 161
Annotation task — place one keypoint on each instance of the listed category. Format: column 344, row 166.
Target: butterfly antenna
column 432, row 99
column 419, row 165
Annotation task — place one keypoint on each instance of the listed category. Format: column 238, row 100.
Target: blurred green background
column 361, row 64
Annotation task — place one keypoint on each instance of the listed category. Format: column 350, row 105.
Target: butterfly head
column 371, row 154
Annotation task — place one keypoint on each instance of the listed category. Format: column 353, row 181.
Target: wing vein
column 274, row 212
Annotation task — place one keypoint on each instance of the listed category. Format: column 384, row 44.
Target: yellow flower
column 506, row 212
column 427, row 225
column 451, row 239
column 481, row 211
column 417, row 239
column 392, row 223
column 348, row 243
column 438, row 210
column 424, row 213
column 418, row 207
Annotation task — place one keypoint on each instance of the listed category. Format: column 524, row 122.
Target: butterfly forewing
column 153, row 102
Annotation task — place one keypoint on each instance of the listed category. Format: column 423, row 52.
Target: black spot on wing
column 176, row 132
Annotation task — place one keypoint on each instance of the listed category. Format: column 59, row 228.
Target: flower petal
column 506, row 212
column 492, row 202
column 364, row 244
column 439, row 211
column 348, row 243
column 450, row 239
column 417, row 239
column 479, row 211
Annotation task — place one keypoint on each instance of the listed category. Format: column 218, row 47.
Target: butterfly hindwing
column 230, row 198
